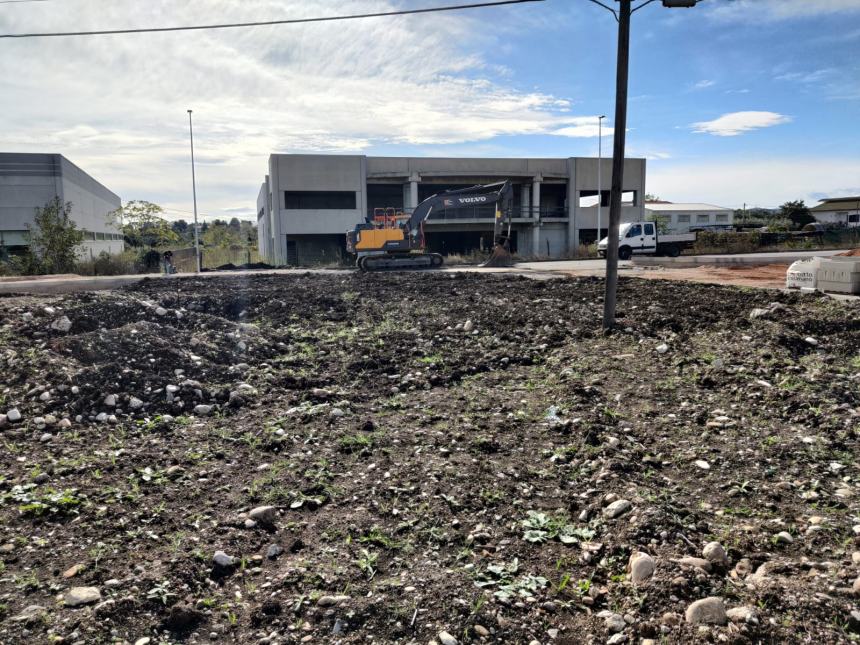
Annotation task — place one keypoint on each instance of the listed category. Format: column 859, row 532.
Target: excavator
column 392, row 239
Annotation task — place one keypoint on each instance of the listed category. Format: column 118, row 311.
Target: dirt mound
column 852, row 253
column 338, row 457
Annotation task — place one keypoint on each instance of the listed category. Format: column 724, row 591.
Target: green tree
column 797, row 212
column 54, row 240
column 662, row 222
column 143, row 224
column 652, row 198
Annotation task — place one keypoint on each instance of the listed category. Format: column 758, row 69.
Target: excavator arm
column 501, row 194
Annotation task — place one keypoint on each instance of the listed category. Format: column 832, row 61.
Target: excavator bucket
column 500, row 257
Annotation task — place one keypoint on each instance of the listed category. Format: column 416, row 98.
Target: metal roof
column 663, row 207
column 837, row 204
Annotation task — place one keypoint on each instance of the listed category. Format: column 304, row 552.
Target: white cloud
column 116, row 105
column 763, row 182
column 735, row 123
column 583, row 127
column 750, row 11
column 704, row 84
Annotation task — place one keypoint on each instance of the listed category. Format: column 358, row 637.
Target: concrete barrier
column 750, row 259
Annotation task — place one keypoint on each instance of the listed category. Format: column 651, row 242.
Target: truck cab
column 642, row 238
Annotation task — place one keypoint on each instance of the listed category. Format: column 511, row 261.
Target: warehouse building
column 30, row 181
column 838, row 211
column 682, row 218
column 308, row 202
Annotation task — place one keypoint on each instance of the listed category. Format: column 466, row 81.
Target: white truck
column 642, row 238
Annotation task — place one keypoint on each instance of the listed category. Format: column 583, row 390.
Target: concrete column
column 572, row 209
column 526, row 203
column 536, row 221
column 279, row 244
column 414, row 178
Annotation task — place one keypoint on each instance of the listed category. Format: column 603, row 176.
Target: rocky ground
column 457, row 458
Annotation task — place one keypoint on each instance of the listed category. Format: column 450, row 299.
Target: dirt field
column 428, row 457
column 771, row 276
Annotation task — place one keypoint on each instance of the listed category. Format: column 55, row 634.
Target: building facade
column 681, row 218
column 308, row 202
column 838, row 211
column 30, row 181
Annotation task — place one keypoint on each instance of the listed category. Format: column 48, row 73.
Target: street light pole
column 194, row 192
column 619, row 127
column 599, row 170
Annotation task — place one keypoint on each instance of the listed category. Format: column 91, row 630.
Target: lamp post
column 625, row 10
column 599, row 171
column 194, row 193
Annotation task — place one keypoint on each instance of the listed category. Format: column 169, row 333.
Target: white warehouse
column 685, row 217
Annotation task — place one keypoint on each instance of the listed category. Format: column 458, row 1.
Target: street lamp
column 599, row 170
column 194, row 192
column 623, row 14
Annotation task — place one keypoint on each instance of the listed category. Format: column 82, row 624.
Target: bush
column 106, row 264
column 54, row 241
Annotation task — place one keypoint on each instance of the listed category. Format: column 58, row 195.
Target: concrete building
column 838, row 211
column 308, row 202
column 29, row 181
column 681, row 218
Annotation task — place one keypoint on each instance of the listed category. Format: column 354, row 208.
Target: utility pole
column 599, row 169
column 194, row 192
column 619, row 127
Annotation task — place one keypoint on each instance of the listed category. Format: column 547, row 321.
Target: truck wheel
column 624, row 253
column 673, row 251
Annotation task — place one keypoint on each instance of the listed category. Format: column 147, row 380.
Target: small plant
column 356, row 442
column 541, row 527
column 161, row 593
column 367, row 563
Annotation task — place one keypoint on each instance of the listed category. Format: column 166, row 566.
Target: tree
column 54, row 240
column 652, row 198
column 797, row 212
column 661, row 221
column 235, row 224
column 143, row 225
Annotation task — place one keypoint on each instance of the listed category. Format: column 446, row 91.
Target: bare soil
column 442, row 452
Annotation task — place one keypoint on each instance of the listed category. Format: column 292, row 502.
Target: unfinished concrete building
column 308, row 202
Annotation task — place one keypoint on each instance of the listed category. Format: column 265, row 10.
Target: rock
column 641, row 567
column 146, row 640
column 701, row 463
column 854, row 621
column 160, row 311
column 809, row 340
column 742, row 615
column 707, row 611
column 221, row 559
column 758, row 312
column 855, row 588
column 264, row 515
column 79, row 596
column 468, row 326
column 45, row 438
column 45, row 396
column 616, row 639
column 202, row 410
column 31, row 614
column 783, row 537
column 614, row 622
column 662, row 348
column 444, row 637
column 331, row 601
column 13, row 415
column 716, row 554
column 41, row 478
column 699, row 563
column 320, row 393
column 110, row 400
column 72, row 571
column 174, row 472
column 64, row 424
column 135, row 403
column 3, row 420
column 617, row 508
column 62, row 324
column 274, row 551
column 481, row 631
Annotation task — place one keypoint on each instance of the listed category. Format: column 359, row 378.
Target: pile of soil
column 242, row 267
column 413, row 457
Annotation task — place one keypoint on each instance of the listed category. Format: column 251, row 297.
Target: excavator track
column 399, row 262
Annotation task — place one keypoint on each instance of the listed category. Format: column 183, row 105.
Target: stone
column 41, row 478
column 783, row 537
column 135, row 403
column 707, row 611
column 617, row 508
column 45, row 396
column 809, row 340
column 202, row 410
column 13, row 415
column 264, row 515
column 72, row 571
column 699, row 563
column 62, row 324
column 274, row 551
column 662, row 348
column 160, row 311
column 331, row 601
column 174, row 472
column 221, row 559
column 79, row 596
column 110, row 400
column 742, row 615
column 614, row 622
column 855, row 588
column 758, row 312
column 468, row 326
column 716, row 554
column 146, row 640
column 45, row 438
column 481, row 631
column 446, row 639
column 616, row 639
column 64, row 424
column 31, row 614
column 701, row 463
column 641, row 567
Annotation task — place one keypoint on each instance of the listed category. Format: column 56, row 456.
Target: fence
column 214, row 257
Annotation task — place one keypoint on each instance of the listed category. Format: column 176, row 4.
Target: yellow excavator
column 394, row 240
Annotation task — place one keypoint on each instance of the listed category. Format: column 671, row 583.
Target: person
column 168, row 262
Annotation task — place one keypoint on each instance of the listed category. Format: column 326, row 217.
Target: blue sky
column 735, row 101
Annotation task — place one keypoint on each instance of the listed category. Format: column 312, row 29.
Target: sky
column 732, row 102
